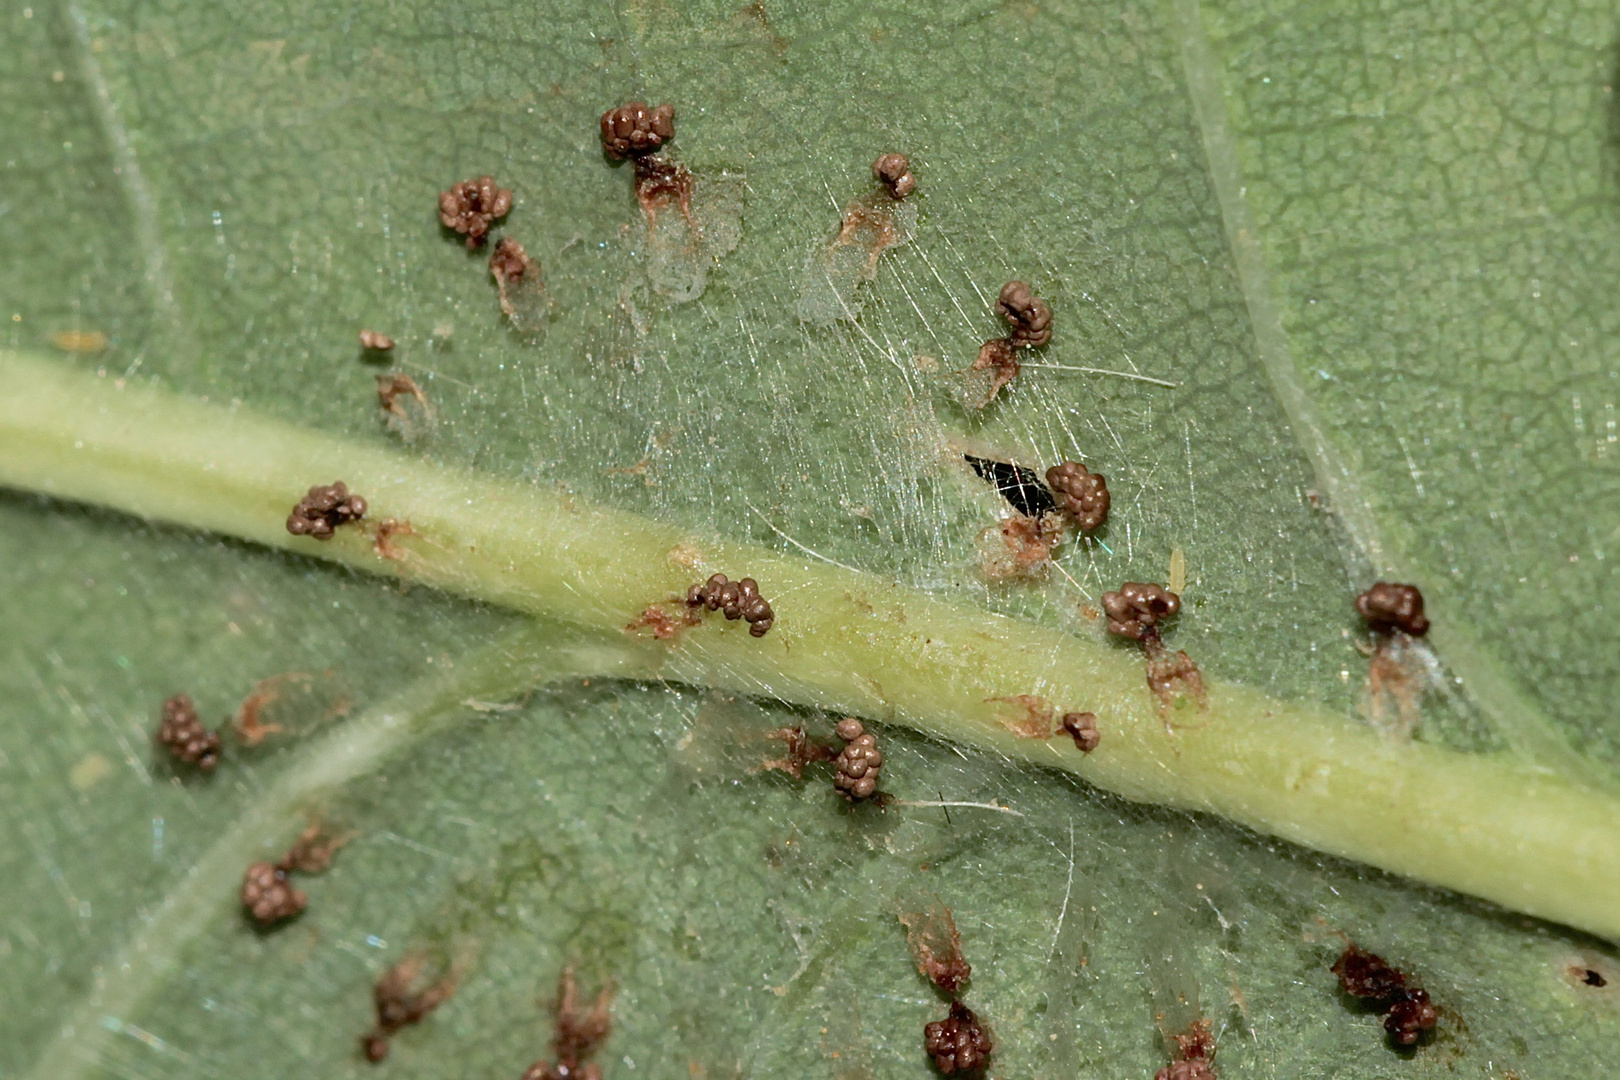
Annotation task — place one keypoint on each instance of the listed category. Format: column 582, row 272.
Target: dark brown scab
column 470, row 207
column 633, row 130
column 1408, row 1012
column 859, row 763
column 1195, row 1054
column 893, row 171
column 959, row 1044
column 577, row 1035
column 1028, row 314
column 738, row 599
column 1081, row 494
column 1082, row 726
column 183, row 734
column 324, row 509
column 1390, row 608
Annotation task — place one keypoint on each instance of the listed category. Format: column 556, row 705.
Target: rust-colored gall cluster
column 959, row 1044
column 1027, row 314
column 578, row 1034
column 1390, row 609
column 738, row 599
column 1081, row 494
column 859, row 763
column 267, row 895
column 470, row 207
column 893, row 171
column 1408, row 1012
column 1082, row 727
column 1195, row 1055
column 632, row 129
column 183, row 734
column 1136, row 610
column 324, row 509
column 400, row 1001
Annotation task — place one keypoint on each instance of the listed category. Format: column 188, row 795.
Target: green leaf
column 1368, row 248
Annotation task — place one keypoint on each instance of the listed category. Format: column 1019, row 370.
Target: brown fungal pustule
column 802, row 750
column 1393, row 608
column 994, row 367
column 324, row 509
column 371, row 341
column 1408, row 1012
column 1082, row 726
column 633, row 130
column 470, row 207
column 1028, row 314
column 1081, row 494
column 1195, row 1055
column 858, row 763
column 401, row 1000
column 1136, row 610
column 267, row 895
column 738, row 599
column 182, row 733
column 959, row 1044
column 893, row 171
column 937, row 948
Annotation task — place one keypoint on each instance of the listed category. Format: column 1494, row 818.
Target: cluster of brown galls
column 959, row 1044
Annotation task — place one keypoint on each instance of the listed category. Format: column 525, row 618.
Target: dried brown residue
column 577, row 1034
column 660, row 184
column 802, row 750
column 522, row 291
column 1032, row 716
column 869, row 225
column 382, row 539
column 664, row 625
column 181, row 732
column 1408, row 1012
column 1195, row 1055
column 994, row 368
column 249, row 724
column 685, row 556
column 1019, row 548
column 937, row 947
column 1396, row 670
column 470, row 207
column 404, row 995
column 1135, row 612
column 406, row 409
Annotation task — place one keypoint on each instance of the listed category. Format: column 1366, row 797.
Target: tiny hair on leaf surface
column 1298, row 273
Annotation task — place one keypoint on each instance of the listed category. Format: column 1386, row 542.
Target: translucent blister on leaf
column 829, row 287
column 691, row 222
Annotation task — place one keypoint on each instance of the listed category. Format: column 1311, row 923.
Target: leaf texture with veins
column 229, row 191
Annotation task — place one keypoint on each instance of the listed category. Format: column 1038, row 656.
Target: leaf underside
column 229, row 192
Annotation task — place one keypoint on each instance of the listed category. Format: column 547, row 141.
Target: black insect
column 1021, row 487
